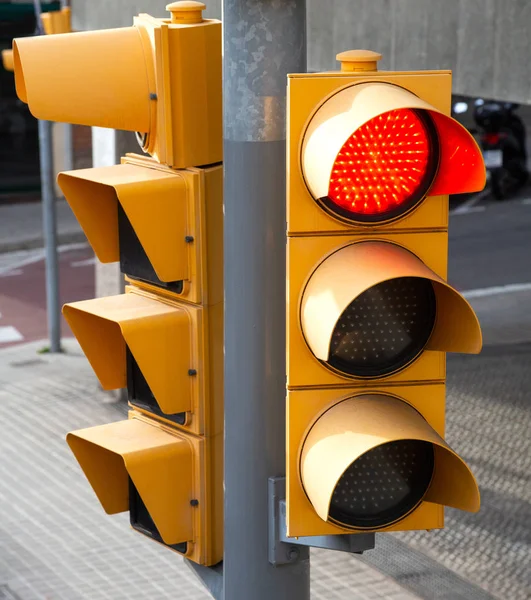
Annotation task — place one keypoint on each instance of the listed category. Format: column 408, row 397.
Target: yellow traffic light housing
column 159, row 241
column 162, row 218
column 7, row 60
column 162, row 340
column 371, row 158
column 158, row 475
column 57, row 21
column 160, row 78
column 138, row 329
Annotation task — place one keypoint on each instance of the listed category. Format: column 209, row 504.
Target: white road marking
column 84, row 263
column 10, row 334
column 496, row 290
column 29, row 257
column 526, row 201
column 22, row 263
column 466, row 211
column 13, row 273
column 469, row 204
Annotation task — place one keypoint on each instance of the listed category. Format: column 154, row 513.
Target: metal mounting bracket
column 284, row 550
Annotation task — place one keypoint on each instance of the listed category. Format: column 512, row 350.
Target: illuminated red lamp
column 385, row 167
column 372, row 152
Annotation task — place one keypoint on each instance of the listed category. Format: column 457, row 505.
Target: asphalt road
column 22, row 290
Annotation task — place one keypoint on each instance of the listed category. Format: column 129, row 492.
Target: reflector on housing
column 159, row 336
column 370, row 460
column 154, row 202
column 159, row 464
column 371, row 308
column 373, row 151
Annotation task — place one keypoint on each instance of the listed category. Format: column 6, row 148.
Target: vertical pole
column 49, row 219
column 38, row 11
column 263, row 41
column 68, row 130
column 49, row 222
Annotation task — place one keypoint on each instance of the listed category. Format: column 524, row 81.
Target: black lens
column 384, row 328
column 383, row 485
column 140, row 394
column 141, row 520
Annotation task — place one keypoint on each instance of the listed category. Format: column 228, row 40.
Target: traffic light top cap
column 359, row 60
column 186, row 12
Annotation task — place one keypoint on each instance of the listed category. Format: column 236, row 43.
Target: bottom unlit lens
column 383, row 485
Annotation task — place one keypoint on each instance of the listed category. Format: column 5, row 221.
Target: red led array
column 382, row 164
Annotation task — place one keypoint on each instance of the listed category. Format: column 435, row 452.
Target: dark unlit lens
column 383, row 485
column 384, row 328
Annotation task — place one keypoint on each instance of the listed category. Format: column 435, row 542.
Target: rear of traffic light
column 57, row 21
column 53, row 22
column 7, row 60
column 163, row 338
column 371, row 159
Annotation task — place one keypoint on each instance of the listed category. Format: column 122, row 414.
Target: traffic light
column 372, row 157
column 158, row 78
column 161, row 217
column 56, row 21
column 7, row 60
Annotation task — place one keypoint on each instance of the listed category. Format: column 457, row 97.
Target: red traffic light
column 385, row 167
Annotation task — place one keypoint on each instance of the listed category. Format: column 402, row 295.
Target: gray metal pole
column 263, row 41
column 49, row 221
column 69, row 146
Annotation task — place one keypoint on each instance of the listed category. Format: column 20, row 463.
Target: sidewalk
column 21, row 226
column 56, row 542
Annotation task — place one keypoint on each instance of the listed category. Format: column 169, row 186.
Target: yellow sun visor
column 151, row 330
column 355, row 426
column 100, row 78
column 155, row 203
column 461, row 168
column 352, row 270
column 159, row 464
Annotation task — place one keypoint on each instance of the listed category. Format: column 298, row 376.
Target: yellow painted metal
column 188, row 69
column 330, row 262
column 156, row 204
column 350, row 108
column 7, row 60
column 159, row 78
column 352, row 270
column 57, row 21
column 166, row 340
column 159, row 463
column 306, row 93
column 101, row 78
column 186, row 12
column 305, row 255
column 355, row 426
column 205, row 225
column 359, row 60
column 305, row 407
